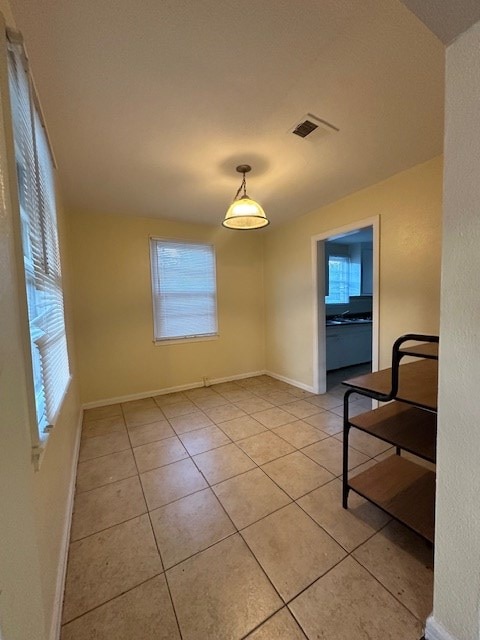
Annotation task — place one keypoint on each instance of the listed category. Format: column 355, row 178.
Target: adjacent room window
column 184, row 289
column 338, row 274
column 41, row 256
column 344, row 280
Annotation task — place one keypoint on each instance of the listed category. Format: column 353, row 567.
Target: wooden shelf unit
column 401, row 425
column 424, row 350
column 402, row 488
column 417, row 384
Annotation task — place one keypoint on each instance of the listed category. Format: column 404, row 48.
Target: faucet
column 345, row 312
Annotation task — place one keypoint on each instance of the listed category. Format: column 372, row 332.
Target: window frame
column 25, row 274
column 190, row 338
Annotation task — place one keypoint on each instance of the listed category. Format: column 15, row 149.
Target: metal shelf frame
column 398, row 352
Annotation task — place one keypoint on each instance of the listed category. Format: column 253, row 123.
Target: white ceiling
column 151, row 104
column 446, row 18
column 354, row 237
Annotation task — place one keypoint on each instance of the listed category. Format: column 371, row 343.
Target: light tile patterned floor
column 215, row 514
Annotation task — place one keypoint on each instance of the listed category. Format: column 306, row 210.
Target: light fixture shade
column 245, row 213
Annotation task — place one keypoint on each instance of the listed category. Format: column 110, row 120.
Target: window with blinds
column 184, row 289
column 338, row 275
column 344, row 280
column 43, row 278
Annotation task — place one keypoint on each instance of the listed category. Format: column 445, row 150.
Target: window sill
column 41, row 440
column 38, row 451
column 163, row 343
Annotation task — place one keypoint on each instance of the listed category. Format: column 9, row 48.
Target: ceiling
column 445, row 18
column 151, row 104
column 354, row 237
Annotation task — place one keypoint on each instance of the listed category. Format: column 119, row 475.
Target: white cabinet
column 348, row 344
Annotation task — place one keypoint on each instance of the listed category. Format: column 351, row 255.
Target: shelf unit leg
column 346, row 433
column 398, row 451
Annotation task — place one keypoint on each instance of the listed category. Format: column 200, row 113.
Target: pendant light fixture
column 244, row 213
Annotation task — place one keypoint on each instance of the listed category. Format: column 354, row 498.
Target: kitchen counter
column 348, row 322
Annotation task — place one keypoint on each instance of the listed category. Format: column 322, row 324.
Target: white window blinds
column 338, row 277
column 344, row 278
column 43, row 278
column 184, row 289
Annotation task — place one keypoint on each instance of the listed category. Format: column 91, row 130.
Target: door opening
column 345, row 262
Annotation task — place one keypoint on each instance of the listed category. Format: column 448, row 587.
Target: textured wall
column 33, row 504
column 457, row 562
column 409, row 205
column 113, row 306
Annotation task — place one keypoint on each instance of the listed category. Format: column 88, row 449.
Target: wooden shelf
column 403, row 489
column 418, row 383
column 424, row 350
column 402, row 425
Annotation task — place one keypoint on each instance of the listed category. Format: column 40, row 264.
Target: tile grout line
column 155, row 539
column 245, row 637
column 377, row 579
column 117, row 524
column 105, row 484
column 101, row 604
column 236, row 532
column 70, row 544
column 103, row 455
column 387, row 590
column 163, row 572
column 331, row 535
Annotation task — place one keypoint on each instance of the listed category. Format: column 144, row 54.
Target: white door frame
column 319, row 330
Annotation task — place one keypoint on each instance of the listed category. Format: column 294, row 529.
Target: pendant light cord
column 244, row 185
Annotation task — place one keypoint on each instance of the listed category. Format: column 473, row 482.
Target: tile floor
column 215, row 514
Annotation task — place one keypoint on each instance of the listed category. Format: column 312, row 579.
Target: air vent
column 305, row 128
column 310, row 124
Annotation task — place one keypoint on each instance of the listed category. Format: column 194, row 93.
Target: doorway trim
column 318, row 277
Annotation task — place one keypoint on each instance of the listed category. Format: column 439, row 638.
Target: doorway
column 346, row 277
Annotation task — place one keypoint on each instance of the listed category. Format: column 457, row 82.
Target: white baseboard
column 436, row 631
column 139, row 396
column 294, row 383
column 159, row 392
column 240, row 376
column 56, row 623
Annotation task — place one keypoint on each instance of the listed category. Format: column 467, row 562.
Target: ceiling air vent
column 305, row 128
column 310, row 124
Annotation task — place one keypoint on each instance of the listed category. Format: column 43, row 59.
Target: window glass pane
column 345, row 277
column 338, row 273
column 354, row 279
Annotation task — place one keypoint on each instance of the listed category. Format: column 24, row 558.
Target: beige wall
column 52, row 483
column 456, row 612
column 113, row 307
column 33, row 504
column 409, row 205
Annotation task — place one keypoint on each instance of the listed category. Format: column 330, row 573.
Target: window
column 41, row 257
column 344, row 277
column 184, row 289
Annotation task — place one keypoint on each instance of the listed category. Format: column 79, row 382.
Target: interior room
column 210, row 426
